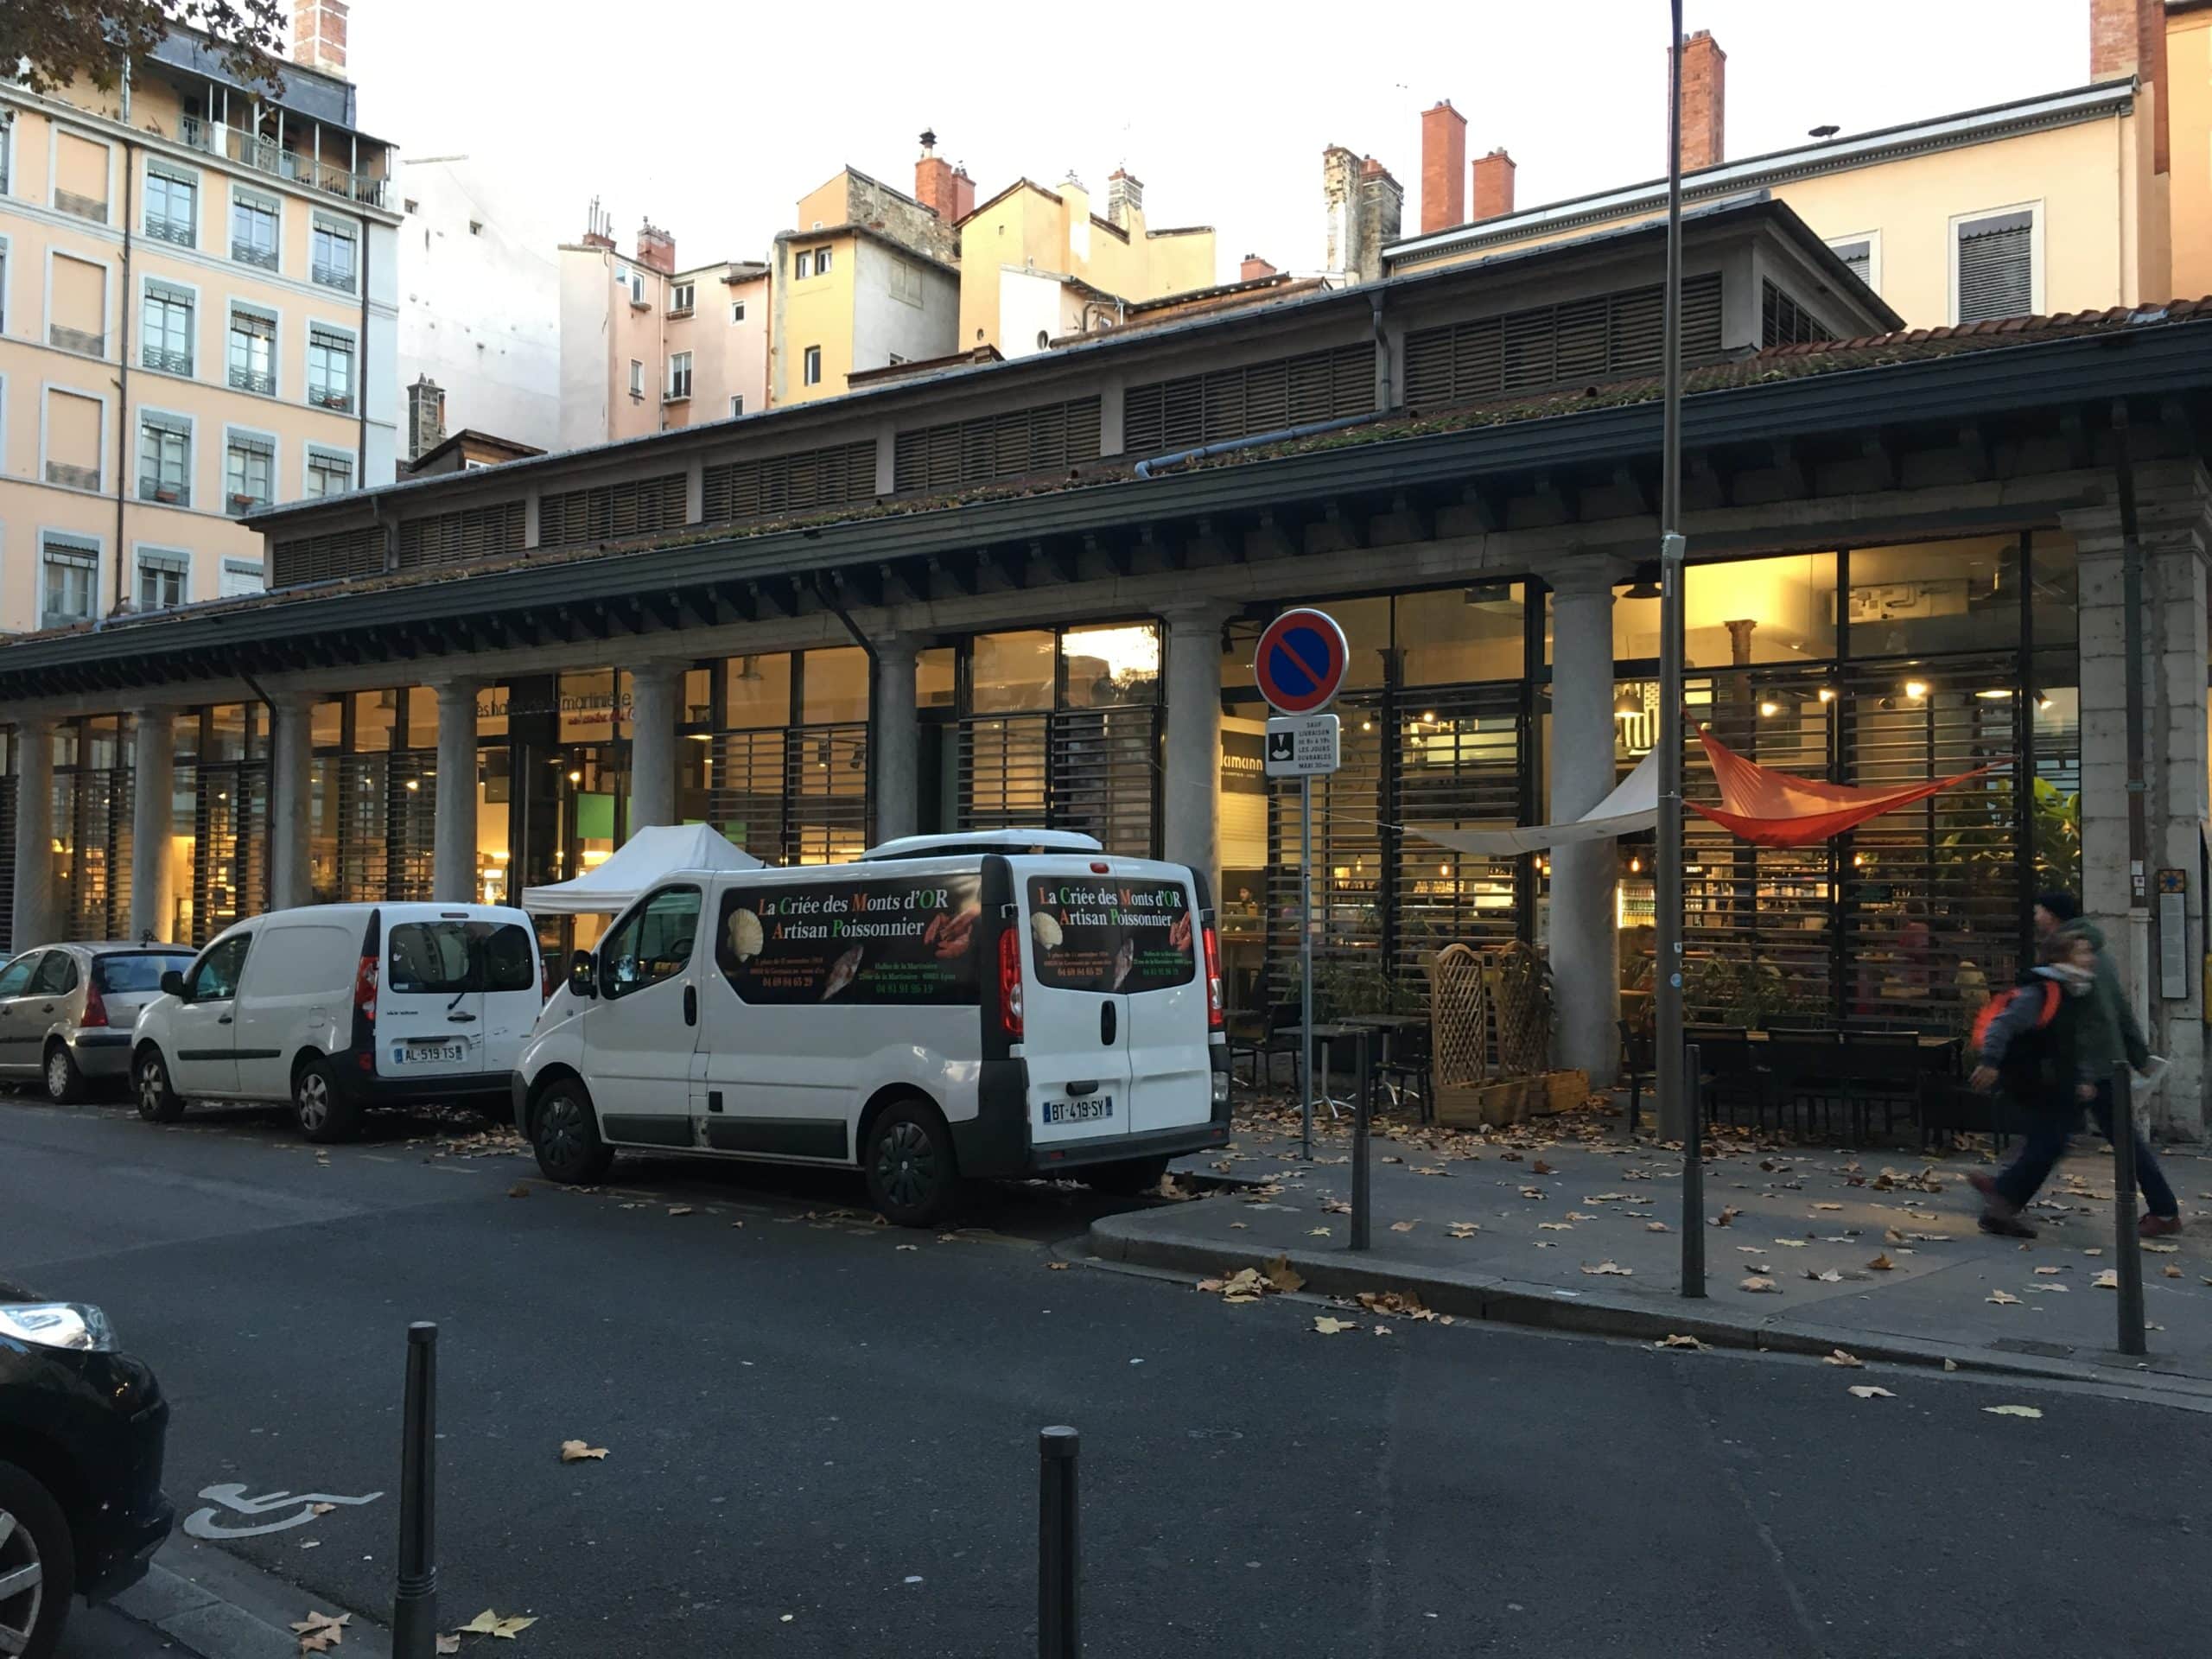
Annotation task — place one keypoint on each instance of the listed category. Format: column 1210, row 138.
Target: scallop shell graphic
column 746, row 941
column 1047, row 927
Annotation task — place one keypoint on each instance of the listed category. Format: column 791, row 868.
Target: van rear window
column 906, row 942
column 429, row 958
column 1095, row 933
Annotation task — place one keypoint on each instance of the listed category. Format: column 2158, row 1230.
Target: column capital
column 665, row 671
column 1198, row 615
column 1587, row 575
column 454, row 688
column 891, row 647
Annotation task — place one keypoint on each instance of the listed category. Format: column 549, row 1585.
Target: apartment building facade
column 197, row 319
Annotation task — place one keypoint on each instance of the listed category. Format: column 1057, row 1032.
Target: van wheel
column 565, row 1133
column 157, row 1102
column 65, row 1084
column 38, row 1565
column 913, row 1177
column 325, row 1115
column 1126, row 1178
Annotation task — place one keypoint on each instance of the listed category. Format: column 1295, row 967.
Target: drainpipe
column 1387, row 398
column 2138, row 836
column 125, row 454
column 1148, row 466
column 361, row 367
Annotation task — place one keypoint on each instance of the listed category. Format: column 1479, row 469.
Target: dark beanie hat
column 2060, row 903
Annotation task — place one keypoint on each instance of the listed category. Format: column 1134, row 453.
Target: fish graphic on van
column 842, row 973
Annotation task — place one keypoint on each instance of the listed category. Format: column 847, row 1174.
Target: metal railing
column 338, row 276
column 170, row 230
column 168, row 362
column 252, row 381
column 265, row 155
column 247, row 254
column 330, row 397
column 151, row 488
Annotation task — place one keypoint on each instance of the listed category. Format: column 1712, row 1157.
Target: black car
column 81, row 1427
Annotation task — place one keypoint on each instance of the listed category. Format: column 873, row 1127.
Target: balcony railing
column 247, row 254
column 336, row 398
column 265, row 155
column 170, row 230
column 76, row 340
column 171, row 494
column 73, row 477
column 252, row 381
column 168, row 362
column 337, row 277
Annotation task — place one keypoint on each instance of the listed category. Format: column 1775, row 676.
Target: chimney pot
column 1443, row 165
column 1705, row 81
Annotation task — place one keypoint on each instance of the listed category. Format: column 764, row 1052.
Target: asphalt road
column 821, row 1433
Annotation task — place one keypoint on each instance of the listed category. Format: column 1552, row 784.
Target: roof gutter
column 1151, row 466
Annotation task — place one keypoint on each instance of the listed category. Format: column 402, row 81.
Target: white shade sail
column 1633, row 805
column 635, row 865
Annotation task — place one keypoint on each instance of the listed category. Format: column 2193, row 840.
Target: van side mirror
column 583, row 975
column 173, row 982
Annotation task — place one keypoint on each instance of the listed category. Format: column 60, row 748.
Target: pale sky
column 714, row 119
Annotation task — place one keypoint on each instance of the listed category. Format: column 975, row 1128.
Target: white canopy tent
column 635, row 865
column 1633, row 805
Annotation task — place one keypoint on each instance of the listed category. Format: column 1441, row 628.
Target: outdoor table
column 1326, row 1035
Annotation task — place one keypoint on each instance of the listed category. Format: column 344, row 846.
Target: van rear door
column 1075, row 1019
column 430, row 1007
column 1171, row 1071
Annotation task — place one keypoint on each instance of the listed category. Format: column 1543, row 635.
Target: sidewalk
column 1567, row 1224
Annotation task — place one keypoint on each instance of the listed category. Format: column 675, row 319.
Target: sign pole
column 1306, row 967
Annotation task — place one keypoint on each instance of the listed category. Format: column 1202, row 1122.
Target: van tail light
column 1010, row 982
column 95, row 1009
column 365, row 989
column 1213, row 979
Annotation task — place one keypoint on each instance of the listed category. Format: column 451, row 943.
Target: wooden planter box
column 1511, row 1100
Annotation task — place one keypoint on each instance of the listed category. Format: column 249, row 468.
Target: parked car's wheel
column 1126, row 1178
column 157, row 1102
column 565, row 1133
column 38, row 1566
column 65, row 1084
column 325, row 1115
column 913, row 1176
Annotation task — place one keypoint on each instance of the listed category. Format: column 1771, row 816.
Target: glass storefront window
column 421, row 717
column 326, row 723
column 1109, row 666
column 1366, row 623
column 1013, row 672
column 698, row 704
column 757, row 692
column 375, row 713
column 833, row 685
column 492, row 711
column 227, row 733
column 2056, row 602
column 594, row 706
column 1776, row 610
column 1934, row 596
column 1461, row 635
column 494, row 807
column 934, row 678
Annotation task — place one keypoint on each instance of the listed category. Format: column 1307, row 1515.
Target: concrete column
column 34, row 897
column 894, row 739
column 153, row 782
column 291, row 778
column 1190, row 814
column 452, row 876
column 1584, row 951
column 2174, row 519
column 654, row 689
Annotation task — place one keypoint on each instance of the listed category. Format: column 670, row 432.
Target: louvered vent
column 1259, row 397
column 461, row 538
column 1021, row 443
column 327, row 558
column 1607, row 337
column 639, row 507
column 839, row 476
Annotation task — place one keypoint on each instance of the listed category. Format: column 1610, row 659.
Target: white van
column 338, row 1007
column 949, row 1006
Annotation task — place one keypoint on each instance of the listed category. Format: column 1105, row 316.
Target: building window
column 736, row 407
column 332, row 256
column 737, row 310
column 679, row 300
column 822, row 262
column 164, row 460
column 249, row 472
column 813, row 374
column 1993, row 269
column 162, row 579
column 239, row 577
column 1783, row 322
column 72, row 582
column 330, row 369
column 330, row 472
column 1857, row 252
column 637, row 379
column 166, row 335
column 254, row 229
column 253, row 352
column 679, row 377
column 172, row 206
column 802, row 264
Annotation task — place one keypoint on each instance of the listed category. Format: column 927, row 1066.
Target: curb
column 212, row 1604
column 1115, row 1240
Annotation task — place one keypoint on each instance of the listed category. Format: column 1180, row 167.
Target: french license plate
column 428, row 1053
column 1088, row 1110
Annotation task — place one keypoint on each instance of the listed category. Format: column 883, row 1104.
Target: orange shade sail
column 1778, row 808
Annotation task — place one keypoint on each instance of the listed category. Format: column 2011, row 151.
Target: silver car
column 67, row 1012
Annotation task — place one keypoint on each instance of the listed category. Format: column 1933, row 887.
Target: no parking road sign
column 1300, row 662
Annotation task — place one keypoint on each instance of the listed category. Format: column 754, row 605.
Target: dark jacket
column 2039, row 1064
column 2108, row 1033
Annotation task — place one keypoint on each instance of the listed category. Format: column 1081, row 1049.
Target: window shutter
column 1996, row 273
column 328, row 558
column 1859, row 256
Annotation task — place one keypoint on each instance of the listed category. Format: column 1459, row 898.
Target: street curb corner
column 214, row 1604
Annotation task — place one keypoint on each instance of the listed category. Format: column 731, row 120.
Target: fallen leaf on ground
column 314, row 1622
column 2013, row 1411
column 1612, row 1268
column 2172, row 1272
column 1282, row 1275
column 2094, row 1250
column 1868, row 1391
column 1540, row 1167
column 1317, row 1232
column 2002, row 1298
column 1532, row 1192
column 1882, row 1262
column 519, row 1190
column 1950, row 1364
column 1382, row 1330
column 1791, row 1243
column 1554, row 1227
column 1751, row 1250
column 2048, row 1271
column 1578, row 1215
column 2160, row 1250
column 906, row 1246
column 1329, row 1327
column 1680, row 1341
column 578, row 1452
column 488, row 1623
column 1401, row 1226
column 1828, row 1206
column 1405, row 1304
column 679, row 1209
column 1056, row 1267
column 1755, row 1282
column 448, row 1645
column 1839, row 1356
column 1830, row 1277
column 1468, row 1229
column 1725, row 1217
column 2108, row 1279
column 323, row 1508
column 1334, row 1207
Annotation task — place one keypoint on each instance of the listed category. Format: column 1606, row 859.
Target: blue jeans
column 2044, row 1144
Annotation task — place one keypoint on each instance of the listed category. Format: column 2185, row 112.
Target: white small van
column 949, row 1006
column 338, row 1007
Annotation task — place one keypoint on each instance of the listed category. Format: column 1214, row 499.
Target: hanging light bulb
column 1828, row 694
column 1916, row 689
column 1627, row 706
column 1768, row 708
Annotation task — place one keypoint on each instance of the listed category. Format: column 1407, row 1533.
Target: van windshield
column 430, row 958
column 121, row 973
column 1109, row 933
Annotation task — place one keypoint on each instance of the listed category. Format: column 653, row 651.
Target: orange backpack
column 1993, row 1010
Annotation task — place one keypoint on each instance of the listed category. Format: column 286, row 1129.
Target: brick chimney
column 964, row 192
column 656, row 249
column 318, row 35
column 1705, row 84
column 933, row 179
column 2115, row 38
column 1124, row 198
column 1443, row 164
column 1493, row 185
column 1362, row 206
column 1254, row 269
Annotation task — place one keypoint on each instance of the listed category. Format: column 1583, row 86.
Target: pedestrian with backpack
column 2029, row 1041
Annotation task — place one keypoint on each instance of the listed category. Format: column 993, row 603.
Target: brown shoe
column 2158, row 1226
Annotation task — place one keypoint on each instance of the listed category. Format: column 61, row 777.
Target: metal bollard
column 2132, row 1340
column 1058, row 1634
column 1361, row 1109
column 414, row 1602
column 1693, row 1176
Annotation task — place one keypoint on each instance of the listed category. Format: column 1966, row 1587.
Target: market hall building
column 982, row 595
